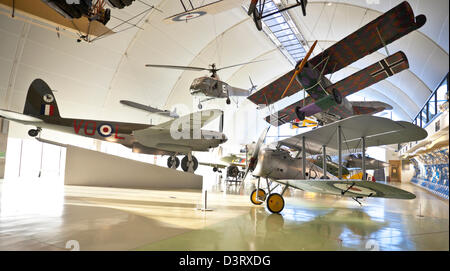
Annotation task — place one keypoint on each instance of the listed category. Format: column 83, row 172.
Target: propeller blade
column 177, row 67
column 254, row 159
column 240, row 64
column 300, row 67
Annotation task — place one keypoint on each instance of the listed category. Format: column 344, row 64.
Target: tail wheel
column 261, row 195
column 200, row 106
column 33, row 132
column 300, row 114
column 275, row 203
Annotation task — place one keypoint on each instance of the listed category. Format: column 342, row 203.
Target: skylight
column 284, row 32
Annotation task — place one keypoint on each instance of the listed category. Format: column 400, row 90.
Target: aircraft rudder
column 40, row 101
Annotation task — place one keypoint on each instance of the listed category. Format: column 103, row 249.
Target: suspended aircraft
column 327, row 101
column 150, row 109
column 86, row 18
column 275, row 165
column 211, row 87
column 179, row 136
column 256, row 9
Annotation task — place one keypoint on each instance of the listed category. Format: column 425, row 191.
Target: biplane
column 85, row 18
column 327, row 101
column 279, row 167
column 256, row 9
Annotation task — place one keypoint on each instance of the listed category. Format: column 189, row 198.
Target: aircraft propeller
column 300, row 67
column 254, row 159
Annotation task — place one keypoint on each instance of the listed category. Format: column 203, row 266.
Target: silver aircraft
column 180, row 136
column 211, row 87
column 358, row 132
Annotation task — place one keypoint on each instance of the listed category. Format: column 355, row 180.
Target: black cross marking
column 385, row 67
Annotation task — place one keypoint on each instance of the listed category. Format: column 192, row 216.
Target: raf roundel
column 105, row 130
column 48, row 98
column 188, row 16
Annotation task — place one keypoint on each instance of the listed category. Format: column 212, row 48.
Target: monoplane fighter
column 327, row 101
column 180, row 136
column 353, row 133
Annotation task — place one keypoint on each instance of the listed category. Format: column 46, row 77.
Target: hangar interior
column 61, row 191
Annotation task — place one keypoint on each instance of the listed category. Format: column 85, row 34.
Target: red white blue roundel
column 188, row 16
column 105, row 130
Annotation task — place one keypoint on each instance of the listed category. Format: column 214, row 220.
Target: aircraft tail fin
column 41, row 102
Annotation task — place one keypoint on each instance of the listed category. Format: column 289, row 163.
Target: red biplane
column 326, row 101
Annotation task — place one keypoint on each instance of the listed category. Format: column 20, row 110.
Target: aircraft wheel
column 257, row 19
column 200, row 106
column 275, row 203
column 228, row 101
column 261, row 195
column 33, row 132
column 337, row 96
column 215, row 169
column 171, row 160
column 185, row 163
column 300, row 114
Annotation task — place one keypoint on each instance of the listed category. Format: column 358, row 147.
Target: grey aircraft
column 358, row 132
column 179, row 136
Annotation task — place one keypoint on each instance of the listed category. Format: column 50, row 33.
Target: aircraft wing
column 376, row 72
column 390, row 26
column 216, row 165
column 366, row 108
column 350, row 188
column 18, row 117
column 194, row 120
column 149, row 109
column 378, row 131
column 192, row 11
column 37, row 9
column 272, row 92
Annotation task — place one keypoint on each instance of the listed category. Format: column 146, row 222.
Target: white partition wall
column 92, row 168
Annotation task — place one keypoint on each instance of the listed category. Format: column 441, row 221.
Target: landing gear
column 336, row 96
column 189, row 163
column 199, row 106
column 34, row 132
column 259, row 198
column 228, row 101
column 300, row 114
column 275, row 203
column 173, row 162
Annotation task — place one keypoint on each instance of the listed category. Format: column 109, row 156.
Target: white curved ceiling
column 92, row 78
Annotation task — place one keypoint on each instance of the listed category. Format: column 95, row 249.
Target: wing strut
column 382, row 41
column 363, row 158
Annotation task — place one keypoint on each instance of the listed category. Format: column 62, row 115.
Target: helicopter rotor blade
column 177, row 67
column 227, row 67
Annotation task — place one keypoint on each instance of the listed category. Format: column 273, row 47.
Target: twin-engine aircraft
column 326, row 101
column 256, row 9
column 357, row 132
column 175, row 137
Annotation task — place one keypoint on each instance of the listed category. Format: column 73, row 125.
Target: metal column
column 303, row 157
column 339, row 152
column 363, row 158
column 324, row 161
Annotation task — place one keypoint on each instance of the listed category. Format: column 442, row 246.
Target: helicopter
column 211, row 87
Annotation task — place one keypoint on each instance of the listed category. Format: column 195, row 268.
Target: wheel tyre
column 300, row 114
column 200, row 106
column 257, row 19
column 262, row 194
column 215, row 169
column 185, row 166
column 337, row 96
column 170, row 161
column 275, row 203
column 33, row 132
column 228, row 101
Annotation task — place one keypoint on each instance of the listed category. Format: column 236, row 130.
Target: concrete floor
column 45, row 215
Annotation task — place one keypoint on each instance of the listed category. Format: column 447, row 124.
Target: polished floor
column 45, row 215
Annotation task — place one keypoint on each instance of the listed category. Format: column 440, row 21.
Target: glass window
column 442, row 93
column 432, row 106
